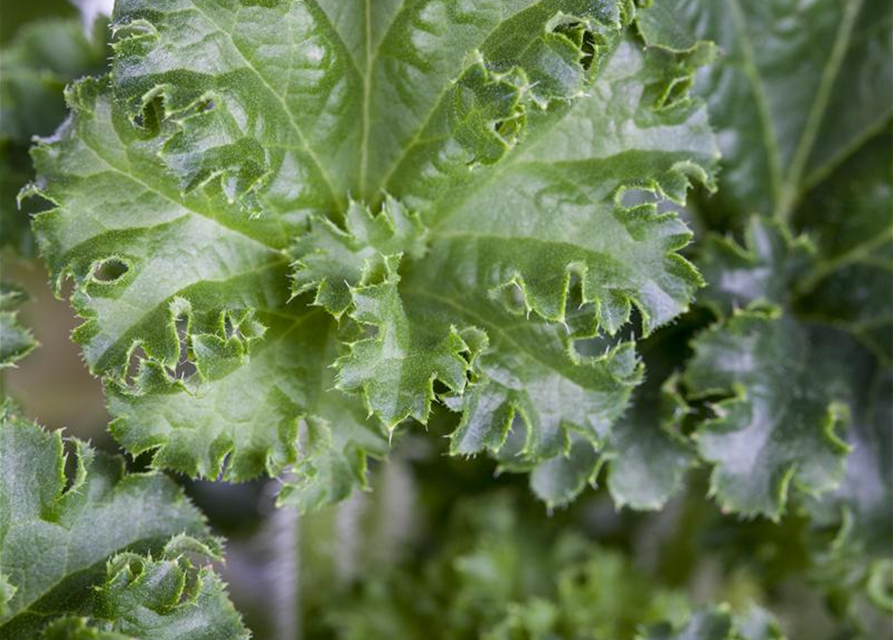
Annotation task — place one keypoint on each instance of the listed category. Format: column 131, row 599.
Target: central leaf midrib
column 790, row 188
column 286, row 110
column 86, row 139
column 413, row 141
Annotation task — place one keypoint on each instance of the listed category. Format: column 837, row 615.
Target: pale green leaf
column 330, row 260
column 187, row 293
column 538, row 143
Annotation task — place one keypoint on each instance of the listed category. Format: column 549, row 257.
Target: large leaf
column 813, row 365
column 189, row 293
column 53, row 574
column 797, row 90
column 530, row 144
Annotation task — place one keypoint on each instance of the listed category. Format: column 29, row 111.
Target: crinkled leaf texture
column 60, row 579
column 780, row 427
column 458, row 192
column 788, row 409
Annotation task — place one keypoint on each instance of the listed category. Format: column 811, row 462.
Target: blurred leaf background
column 440, row 547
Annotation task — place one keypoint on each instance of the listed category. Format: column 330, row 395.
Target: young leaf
column 196, row 305
column 53, row 578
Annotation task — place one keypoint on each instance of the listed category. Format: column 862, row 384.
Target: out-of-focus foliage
column 37, row 60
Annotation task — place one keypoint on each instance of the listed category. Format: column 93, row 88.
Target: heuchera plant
column 588, row 240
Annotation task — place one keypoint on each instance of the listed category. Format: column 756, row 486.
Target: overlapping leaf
column 526, row 144
column 803, row 395
column 647, row 453
column 190, row 294
column 54, row 582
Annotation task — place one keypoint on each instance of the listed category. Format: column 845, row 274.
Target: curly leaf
column 51, row 560
column 185, row 303
column 397, row 368
column 763, row 272
column 647, row 455
column 310, row 108
column 579, row 204
column 538, row 143
column 533, row 398
column 16, row 341
column 779, row 427
column 330, row 260
column 855, row 522
column 143, row 598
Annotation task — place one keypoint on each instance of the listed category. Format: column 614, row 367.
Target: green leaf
column 647, row 454
column 143, row 598
column 330, row 260
column 34, row 68
column 761, row 273
column 530, row 150
column 858, row 516
column 780, row 427
column 396, row 369
column 502, row 574
column 576, row 206
column 849, row 216
column 53, row 576
column 787, row 110
column 16, row 341
column 187, row 293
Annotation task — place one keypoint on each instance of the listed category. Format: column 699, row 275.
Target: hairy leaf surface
column 466, row 189
column 56, row 535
